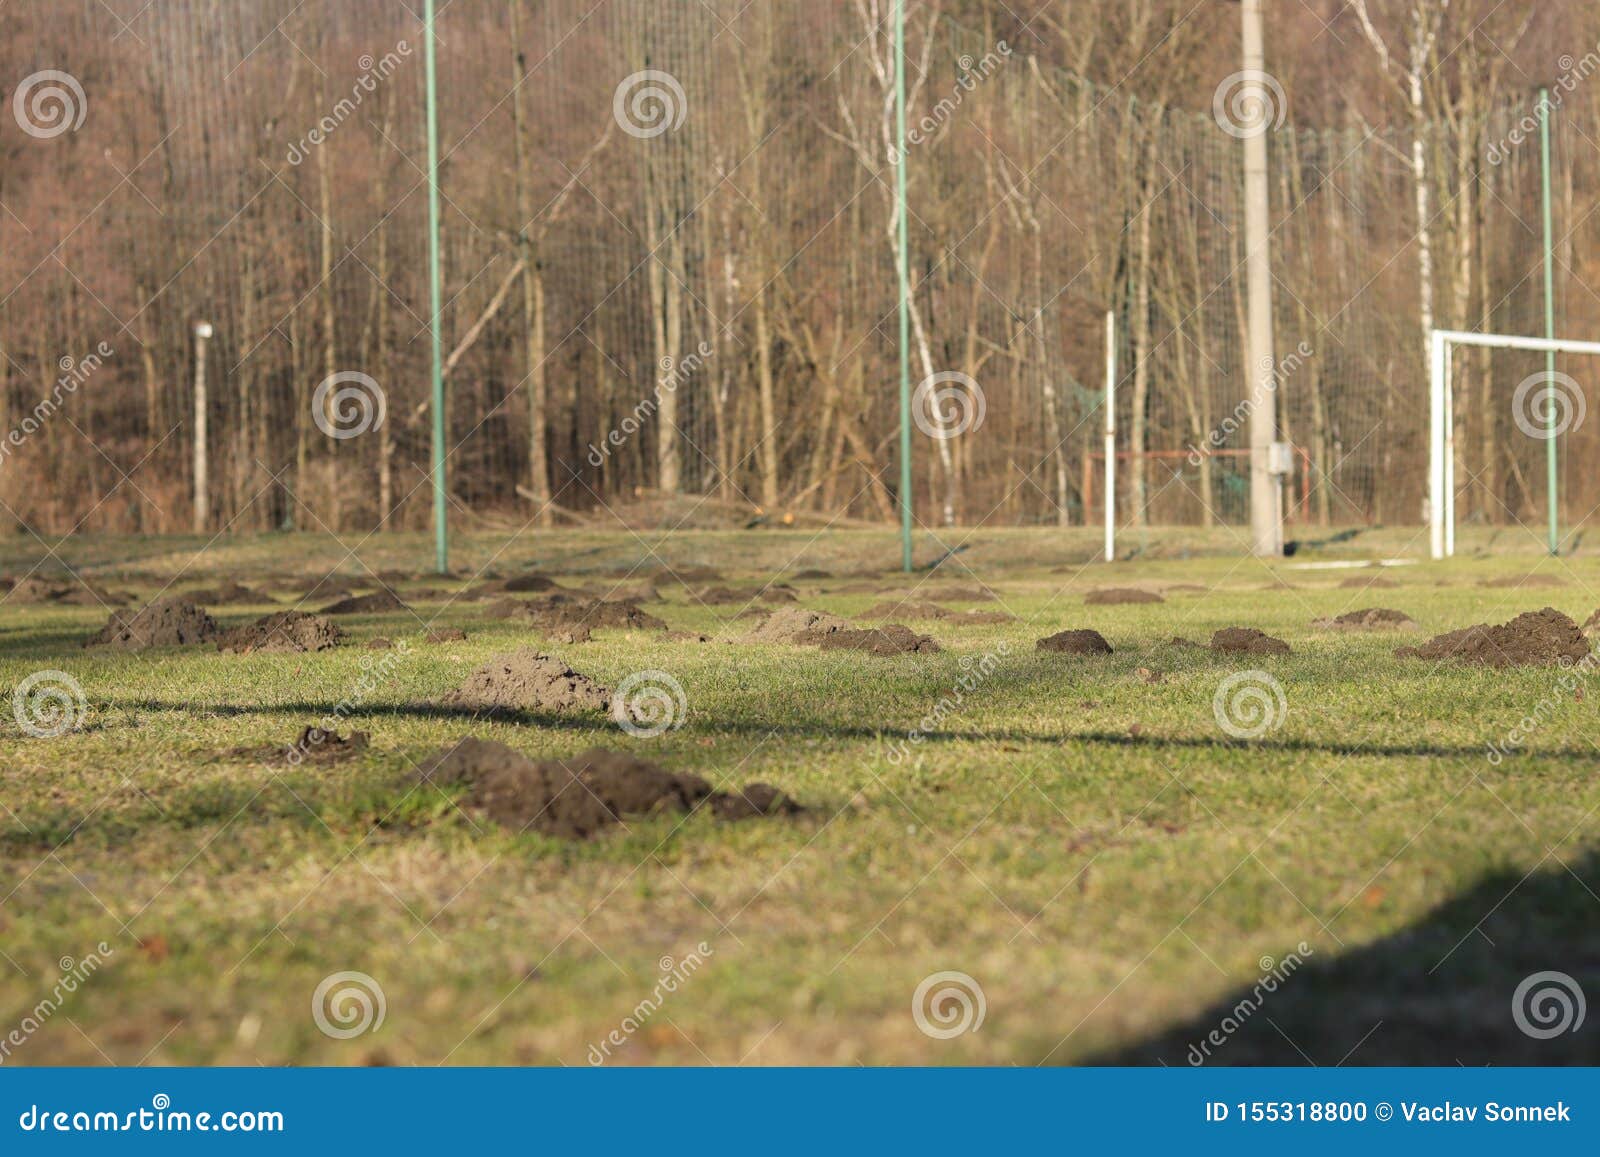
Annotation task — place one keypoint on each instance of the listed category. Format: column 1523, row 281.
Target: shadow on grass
column 824, row 729
column 1440, row 992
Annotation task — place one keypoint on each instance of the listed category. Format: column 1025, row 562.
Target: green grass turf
column 1090, row 847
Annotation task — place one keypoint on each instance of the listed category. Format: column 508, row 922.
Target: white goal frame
column 1442, row 440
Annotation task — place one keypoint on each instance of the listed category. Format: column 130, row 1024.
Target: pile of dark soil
column 811, row 574
column 1360, row 582
column 1532, row 580
column 33, row 591
column 727, row 596
column 560, row 614
column 1114, row 596
column 314, row 746
column 1591, row 625
column 921, row 609
column 528, row 582
column 579, row 797
column 592, row 615
column 527, row 680
column 377, row 603
column 229, row 594
column 1535, row 638
column 1247, row 641
column 173, row 621
column 954, row 594
column 787, row 625
column 283, row 632
column 893, row 639
column 446, row 635
column 329, row 586
column 1374, row 619
column 1082, row 642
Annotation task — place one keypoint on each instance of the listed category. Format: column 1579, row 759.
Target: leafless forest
column 691, row 290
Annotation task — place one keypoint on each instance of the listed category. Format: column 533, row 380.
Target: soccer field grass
column 1111, row 870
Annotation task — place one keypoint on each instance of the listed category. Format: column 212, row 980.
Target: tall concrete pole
column 202, row 412
column 1266, row 495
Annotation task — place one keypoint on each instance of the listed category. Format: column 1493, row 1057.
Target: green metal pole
column 441, row 540
column 903, row 260
column 1549, row 323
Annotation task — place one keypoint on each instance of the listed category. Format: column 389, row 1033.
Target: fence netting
column 669, row 280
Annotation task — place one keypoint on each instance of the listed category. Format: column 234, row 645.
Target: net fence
column 670, row 290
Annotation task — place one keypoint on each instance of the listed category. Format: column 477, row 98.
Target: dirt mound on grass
column 959, row 594
column 592, row 614
column 811, row 574
column 228, row 594
column 527, row 680
column 34, row 591
column 446, row 635
column 528, row 582
column 1374, row 619
column 286, row 632
column 1532, row 580
column 728, row 596
column 1114, row 596
column 1535, row 638
column 1591, row 625
column 1359, row 582
column 560, row 614
column 1247, row 641
column 787, row 625
column 173, row 621
column 578, row 797
column 893, row 639
column 377, row 603
column 912, row 609
column 1081, row 642
column 314, row 746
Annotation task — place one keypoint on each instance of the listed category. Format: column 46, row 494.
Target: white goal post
column 1442, row 440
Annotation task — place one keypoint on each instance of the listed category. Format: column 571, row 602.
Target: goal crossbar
column 1442, row 442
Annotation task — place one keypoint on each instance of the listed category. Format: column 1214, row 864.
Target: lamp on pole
column 202, row 466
